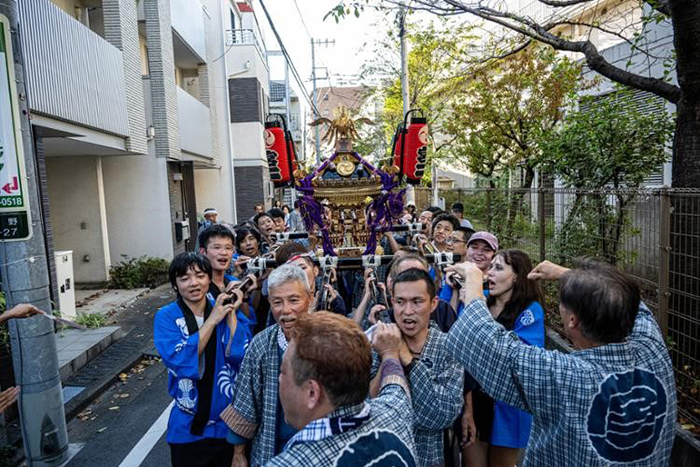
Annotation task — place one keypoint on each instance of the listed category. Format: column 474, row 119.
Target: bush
column 133, row 273
column 91, row 320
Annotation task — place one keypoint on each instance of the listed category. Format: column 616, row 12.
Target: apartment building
column 133, row 106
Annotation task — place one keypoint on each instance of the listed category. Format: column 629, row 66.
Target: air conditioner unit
column 66, row 286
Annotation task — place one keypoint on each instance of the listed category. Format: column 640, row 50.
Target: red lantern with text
column 411, row 148
column 279, row 158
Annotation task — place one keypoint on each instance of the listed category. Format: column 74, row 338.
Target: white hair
column 288, row 273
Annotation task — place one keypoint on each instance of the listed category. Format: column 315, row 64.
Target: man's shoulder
column 262, row 340
column 382, row 439
column 172, row 309
column 437, row 340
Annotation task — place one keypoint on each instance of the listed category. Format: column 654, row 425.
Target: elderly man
column 612, row 401
column 324, row 381
column 256, row 414
column 434, row 376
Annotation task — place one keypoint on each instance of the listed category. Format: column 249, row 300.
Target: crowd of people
column 409, row 364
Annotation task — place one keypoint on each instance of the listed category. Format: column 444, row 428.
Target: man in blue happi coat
column 216, row 243
column 202, row 346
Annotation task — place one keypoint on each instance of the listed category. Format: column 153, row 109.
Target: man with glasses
column 457, row 243
column 216, row 243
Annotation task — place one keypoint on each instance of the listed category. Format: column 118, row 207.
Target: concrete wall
column 252, row 186
column 187, row 20
column 137, row 206
column 211, row 192
column 214, row 187
column 77, row 205
column 121, row 30
column 163, row 96
column 195, row 125
column 248, row 144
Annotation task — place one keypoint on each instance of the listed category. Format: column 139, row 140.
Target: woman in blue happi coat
column 202, row 344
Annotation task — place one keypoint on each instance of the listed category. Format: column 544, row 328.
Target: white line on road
column 146, row 443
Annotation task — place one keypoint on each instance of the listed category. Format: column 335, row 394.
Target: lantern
column 279, row 151
column 414, row 137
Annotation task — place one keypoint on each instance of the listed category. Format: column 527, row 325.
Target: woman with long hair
column 502, row 431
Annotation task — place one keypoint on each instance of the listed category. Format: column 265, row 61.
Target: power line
column 302, row 19
column 295, row 73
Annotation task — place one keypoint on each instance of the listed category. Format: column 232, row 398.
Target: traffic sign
column 15, row 222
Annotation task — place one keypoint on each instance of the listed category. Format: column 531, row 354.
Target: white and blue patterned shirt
column 611, row 404
column 385, row 439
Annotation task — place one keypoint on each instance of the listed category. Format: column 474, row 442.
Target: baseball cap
column 487, row 237
column 458, row 207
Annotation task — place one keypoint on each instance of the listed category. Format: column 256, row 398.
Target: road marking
column 147, row 441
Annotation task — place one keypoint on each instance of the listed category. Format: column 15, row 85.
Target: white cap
column 466, row 224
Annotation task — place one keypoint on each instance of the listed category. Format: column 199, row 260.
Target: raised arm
column 509, row 370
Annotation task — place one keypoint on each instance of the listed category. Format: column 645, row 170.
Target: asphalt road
column 114, row 424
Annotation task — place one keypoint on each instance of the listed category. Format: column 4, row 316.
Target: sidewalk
column 92, row 360
column 75, row 347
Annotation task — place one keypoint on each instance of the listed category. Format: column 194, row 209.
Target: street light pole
column 25, row 278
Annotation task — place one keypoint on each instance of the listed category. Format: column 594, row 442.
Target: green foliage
column 132, row 273
column 497, row 121
column 437, row 53
column 609, row 143
column 91, row 320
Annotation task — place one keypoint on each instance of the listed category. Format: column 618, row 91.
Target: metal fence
column 653, row 234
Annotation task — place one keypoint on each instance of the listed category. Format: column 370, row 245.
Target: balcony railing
column 72, row 73
column 245, row 37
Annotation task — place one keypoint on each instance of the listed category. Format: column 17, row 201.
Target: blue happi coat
column 178, row 349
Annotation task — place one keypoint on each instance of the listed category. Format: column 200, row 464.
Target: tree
column 605, row 144
column 683, row 15
column 435, row 68
column 508, row 106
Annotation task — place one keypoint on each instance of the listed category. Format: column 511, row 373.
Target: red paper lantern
column 279, row 154
column 415, row 138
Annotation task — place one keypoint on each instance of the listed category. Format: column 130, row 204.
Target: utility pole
column 404, row 60
column 410, row 192
column 315, row 96
column 24, row 267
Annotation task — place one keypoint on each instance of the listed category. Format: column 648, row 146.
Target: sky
column 343, row 58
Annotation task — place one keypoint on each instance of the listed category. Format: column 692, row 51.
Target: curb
column 76, row 405
column 70, row 368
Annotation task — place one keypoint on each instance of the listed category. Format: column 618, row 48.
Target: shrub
column 91, row 320
column 133, row 273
